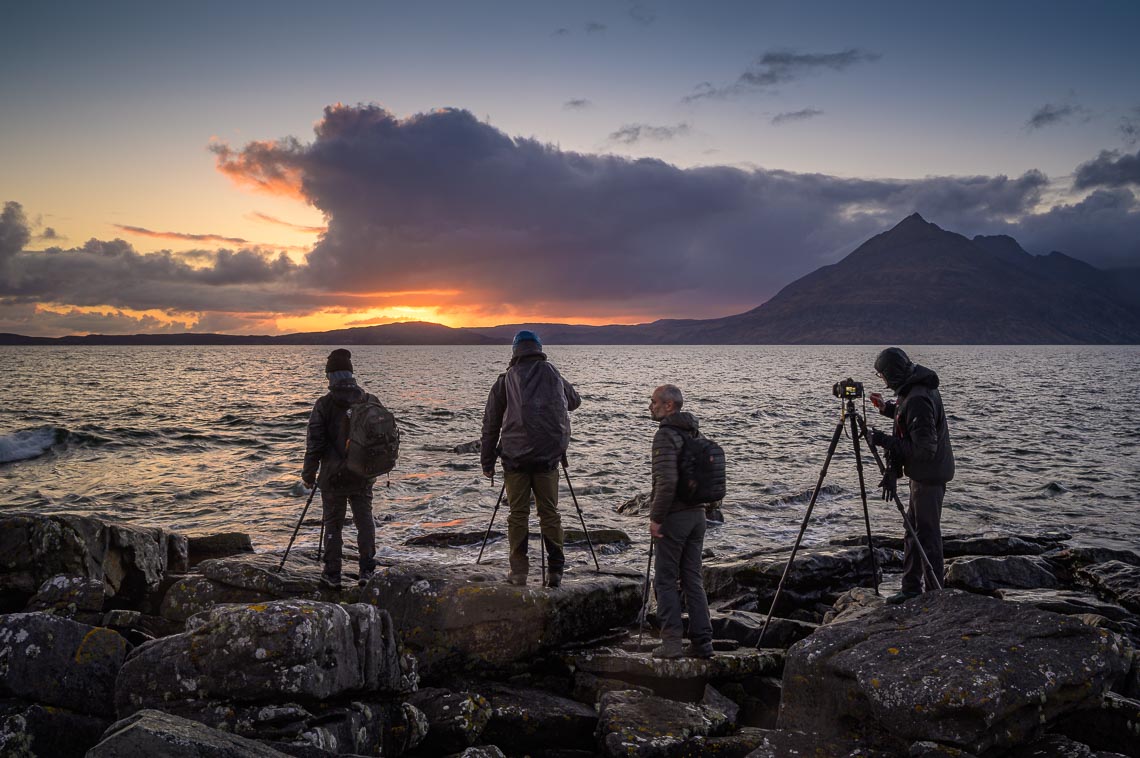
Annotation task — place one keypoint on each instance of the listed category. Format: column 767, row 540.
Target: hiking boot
column 669, row 649
column 329, row 583
column 365, row 577
column 554, row 579
column 901, row 597
column 701, row 651
column 519, row 580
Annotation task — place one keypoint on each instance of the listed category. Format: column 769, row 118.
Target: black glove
column 879, row 439
column 889, row 485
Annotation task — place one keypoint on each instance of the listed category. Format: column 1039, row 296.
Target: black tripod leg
column 581, row 518
column 863, row 494
column 493, row 514
column 645, row 597
column 907, row 525
column 803, row 528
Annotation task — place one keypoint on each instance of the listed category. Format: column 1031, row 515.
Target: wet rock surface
column 959, row 669
column 74, row 597
column 456, row 719
column 151, row 733
column 631, row 723
column 222, row 545
column 1116, row 580
column 31, row 729
column 987, row 574
column 526, row 720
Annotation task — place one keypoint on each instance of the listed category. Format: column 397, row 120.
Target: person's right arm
column 315, row 443
column 665, row 476
column 492, row 425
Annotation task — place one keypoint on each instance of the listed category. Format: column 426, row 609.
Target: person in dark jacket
column 679, row 531
column 527, row 424
column 324, row 450
column 918, row 447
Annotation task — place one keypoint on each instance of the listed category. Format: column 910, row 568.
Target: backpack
column 373, row 443
column 701, row 475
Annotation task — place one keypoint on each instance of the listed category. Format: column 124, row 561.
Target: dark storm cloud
column 631, row 134
column 781, row 67
column 14, row 232
column 800, row 115
column 442, row 199
column 1109, row 169
column 577, row 104
column 1049, row 114
column 593, row 27
column 1102, row 229
column 49, row 233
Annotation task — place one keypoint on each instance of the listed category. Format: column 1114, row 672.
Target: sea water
column 210, row 439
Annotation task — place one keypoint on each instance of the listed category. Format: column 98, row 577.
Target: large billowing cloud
column 444, row 199
column 1109, row 169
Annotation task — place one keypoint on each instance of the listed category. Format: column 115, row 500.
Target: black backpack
column 373, row 443
column 700, row 468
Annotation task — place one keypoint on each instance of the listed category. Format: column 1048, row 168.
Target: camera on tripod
column 848, row 389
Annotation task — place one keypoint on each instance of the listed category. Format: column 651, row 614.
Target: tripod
column 858, row 430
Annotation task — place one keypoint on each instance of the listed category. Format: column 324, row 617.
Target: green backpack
column 373, row 443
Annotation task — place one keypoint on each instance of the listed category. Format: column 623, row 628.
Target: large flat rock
column 951, row 667
column 149, row 733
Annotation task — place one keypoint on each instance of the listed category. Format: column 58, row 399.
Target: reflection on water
column 206, row 439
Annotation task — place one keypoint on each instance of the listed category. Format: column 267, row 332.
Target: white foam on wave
column 26, row 444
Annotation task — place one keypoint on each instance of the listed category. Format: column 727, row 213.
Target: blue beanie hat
column 524, row 336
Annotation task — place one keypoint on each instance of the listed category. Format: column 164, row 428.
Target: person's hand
column 877, row 400
column 489, row 472
column 655, row 530
column 889, row 485
column 308, row 483
column 879, row 439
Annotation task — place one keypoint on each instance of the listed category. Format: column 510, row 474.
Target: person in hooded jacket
column 526, row 423
column 324, row 450
column 919, row 446
column 678, row 529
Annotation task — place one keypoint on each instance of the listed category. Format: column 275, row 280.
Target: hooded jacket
column 327, row 438
column 526, row 421
column 921, row 434
column 667, row 444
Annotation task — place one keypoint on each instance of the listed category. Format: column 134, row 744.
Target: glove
column 880, row 439
column 308, row 483
column 889, row 485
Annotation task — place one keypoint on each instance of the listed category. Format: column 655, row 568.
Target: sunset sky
column 272, row 167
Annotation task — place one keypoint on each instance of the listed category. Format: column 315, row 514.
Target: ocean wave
column 30, row 443
column 826, row 492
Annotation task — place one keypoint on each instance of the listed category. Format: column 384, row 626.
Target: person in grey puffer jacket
column 324, row 450
column 527, row 424
column 919, row 447
column 678, row 529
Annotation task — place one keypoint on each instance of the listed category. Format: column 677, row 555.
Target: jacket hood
column 346, row 391
column 894, row 366
column 682, row 420
column 532, row 355
column 920, row 375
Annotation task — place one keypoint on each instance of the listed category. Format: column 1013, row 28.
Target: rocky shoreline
column 118, row 640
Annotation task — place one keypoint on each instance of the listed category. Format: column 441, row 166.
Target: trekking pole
column 541, row 553
column 493, row 514
column 644, row 598
column 297, row 528
column 321, row 541
column 581, row 518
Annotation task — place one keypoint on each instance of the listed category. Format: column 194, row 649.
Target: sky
column 275, row 167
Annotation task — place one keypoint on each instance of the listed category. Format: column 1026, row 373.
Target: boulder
column 1115, row 579
column 1113, row 726
column 154, row 733
column 1078, row 557
column 456, row 719
column 960, row 669
column 987, row 574
column 745, row 628
column 683, row 678
column 129, row 560
column 276, row 651
column 526, row 720
column 632, row 724
column 196, row 594
column 987, row 543
column 451, row 539
column 815, row 573
column 30, row 729
column 73, row 597
column 782, row 743
column 1070, row 602
column 736, row 745
column 597, row 536
column 222, row 545
column 460, row 617
column 1058, row 746
column 482, row 751
column 638, row 505
column 714, row 699
column 248, row 579
column 59, row 662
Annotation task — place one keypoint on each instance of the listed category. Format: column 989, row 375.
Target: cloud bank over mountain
column 442, row 207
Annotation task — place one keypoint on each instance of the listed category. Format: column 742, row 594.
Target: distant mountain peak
column 915, row 222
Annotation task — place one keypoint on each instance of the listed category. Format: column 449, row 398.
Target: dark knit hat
column 339, row 360
column 526, row 335
column 894, row 366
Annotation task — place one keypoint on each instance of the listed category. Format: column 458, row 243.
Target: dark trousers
column 925, row 515
column 679, row 559
column 544, row 485
column 333, row 507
